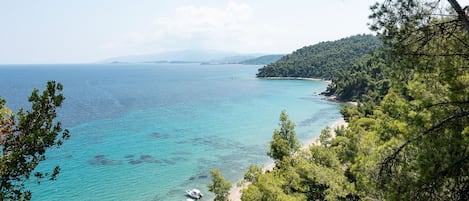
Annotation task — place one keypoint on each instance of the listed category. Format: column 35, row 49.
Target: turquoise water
column 151, row 131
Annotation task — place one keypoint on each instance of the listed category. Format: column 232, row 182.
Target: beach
column 295, row 78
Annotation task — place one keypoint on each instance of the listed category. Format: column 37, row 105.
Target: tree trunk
column 460, row 12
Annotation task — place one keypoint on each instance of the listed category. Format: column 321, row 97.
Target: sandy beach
column 295, row 78
column 235, row 192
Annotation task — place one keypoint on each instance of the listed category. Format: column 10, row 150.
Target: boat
column 194, row 193
column 189, row 199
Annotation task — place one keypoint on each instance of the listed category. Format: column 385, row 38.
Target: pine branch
column 388, row 162
column 447, row 103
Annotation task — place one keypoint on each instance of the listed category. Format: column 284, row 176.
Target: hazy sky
column 81, row 31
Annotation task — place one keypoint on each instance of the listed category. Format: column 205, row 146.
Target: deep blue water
column 151, row 131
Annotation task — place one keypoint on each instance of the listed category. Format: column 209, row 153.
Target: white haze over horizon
column 51, row 31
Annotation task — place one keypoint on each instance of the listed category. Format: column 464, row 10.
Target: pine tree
column 24, row 140
column 219, row 186
column 284, row 141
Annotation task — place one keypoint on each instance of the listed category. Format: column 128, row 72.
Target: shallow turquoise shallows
column 152, row 131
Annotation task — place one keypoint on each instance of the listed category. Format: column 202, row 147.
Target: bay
column 151, row 131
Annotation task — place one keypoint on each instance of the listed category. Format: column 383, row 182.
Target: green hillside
column 263, row 60
column 324, row 59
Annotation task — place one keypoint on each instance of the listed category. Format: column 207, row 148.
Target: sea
column 152, row 131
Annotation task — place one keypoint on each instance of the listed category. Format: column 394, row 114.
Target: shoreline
column 235, row 191
column 332, row 98
column 295, row 78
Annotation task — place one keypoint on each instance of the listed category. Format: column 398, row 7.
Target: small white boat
column 188, row 199
column 194, row 193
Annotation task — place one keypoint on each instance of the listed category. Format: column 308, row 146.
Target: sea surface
column 152, row 131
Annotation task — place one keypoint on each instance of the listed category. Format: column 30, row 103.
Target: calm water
column 151, row 131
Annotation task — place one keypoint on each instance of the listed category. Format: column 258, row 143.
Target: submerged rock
column 102, row 160
column 135, row 162
column 159, row 135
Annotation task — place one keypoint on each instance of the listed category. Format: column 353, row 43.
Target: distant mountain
column 184, row 56
column 237, row 59
column 263, row 60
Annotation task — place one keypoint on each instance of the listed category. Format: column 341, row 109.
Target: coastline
column 295, row 78
column 235, row 192
column 332, row 98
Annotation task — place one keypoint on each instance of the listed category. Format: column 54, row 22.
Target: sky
column 84, row 31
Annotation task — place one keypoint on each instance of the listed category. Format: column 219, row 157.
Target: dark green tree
column 219, row 186
column 24, row 139
column 284, row 141
column 423, row 120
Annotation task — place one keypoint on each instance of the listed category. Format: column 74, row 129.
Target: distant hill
column 235, row 59
column 323, row 60
column 262, row 60
column 174, row 56
column 187, row 56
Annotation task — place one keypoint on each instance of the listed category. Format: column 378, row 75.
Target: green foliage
column 316, row 174
column 322, row 60
column 269, row 187
column 408, row 138
column 367, row 80
column 219, row 186
column 353, row 64
column 4, row 111
column 252, row 174
column 325, row 137
column 284, row 141
column 422, row 152
column 24, row 139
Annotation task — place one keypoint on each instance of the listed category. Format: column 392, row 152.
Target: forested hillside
column 263, row 60
column 408, row 139
column 323, row 60
column 366, row 79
